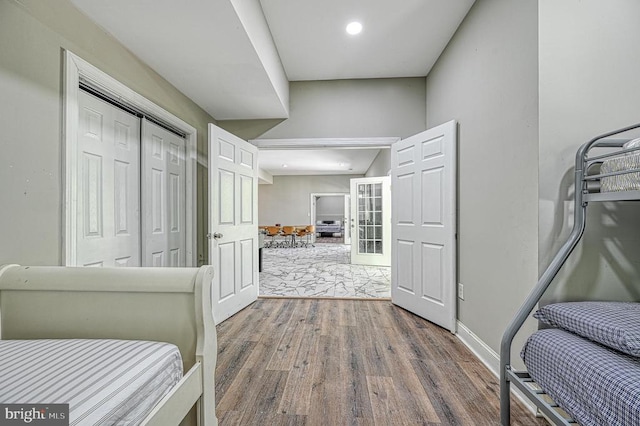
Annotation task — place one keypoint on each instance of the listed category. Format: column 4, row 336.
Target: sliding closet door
column 108, row 185
column 163, row 197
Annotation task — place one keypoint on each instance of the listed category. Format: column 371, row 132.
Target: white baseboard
column 490, row 359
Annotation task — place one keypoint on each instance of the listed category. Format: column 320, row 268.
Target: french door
column 371, row 221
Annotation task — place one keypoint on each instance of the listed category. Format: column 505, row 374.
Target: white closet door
column 108, row 185
column 163, row 202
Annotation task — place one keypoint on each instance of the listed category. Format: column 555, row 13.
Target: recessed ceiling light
column 354, row 28
column 284, row 166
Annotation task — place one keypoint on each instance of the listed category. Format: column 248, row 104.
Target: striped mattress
column 105, row 382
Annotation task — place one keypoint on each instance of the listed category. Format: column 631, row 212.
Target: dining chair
column 302, row 232
column 311, row 230
column 273, row 232
column 288, row 232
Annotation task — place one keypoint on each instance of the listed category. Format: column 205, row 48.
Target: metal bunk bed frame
column 582, row 197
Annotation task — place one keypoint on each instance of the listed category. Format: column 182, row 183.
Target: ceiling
column 399, row 39
column 235, row 58
column 281, row 162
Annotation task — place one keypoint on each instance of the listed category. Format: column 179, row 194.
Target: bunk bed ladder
column 507, row 375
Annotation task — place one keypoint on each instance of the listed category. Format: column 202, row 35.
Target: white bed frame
column 158, row 304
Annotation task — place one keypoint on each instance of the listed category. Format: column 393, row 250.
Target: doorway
column 330, row 214
column 324, row 269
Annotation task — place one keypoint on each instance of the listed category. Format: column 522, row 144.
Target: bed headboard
column 161, row 304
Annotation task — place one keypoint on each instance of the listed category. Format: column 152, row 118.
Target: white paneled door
column 163, row 197
column 108, row 185
column 423, row 278
column 131, row 189
column 233, row 226
column 371, row 221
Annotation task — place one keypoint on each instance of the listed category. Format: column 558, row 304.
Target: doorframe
column 78, row 70
column 312, row 207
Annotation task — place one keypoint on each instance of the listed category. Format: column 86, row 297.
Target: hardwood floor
column 349, row 362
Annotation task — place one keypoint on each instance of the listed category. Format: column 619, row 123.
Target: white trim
column 264, row 177
column 490, row 359
column 312, row 207
column 77, row 69
column 334, row 143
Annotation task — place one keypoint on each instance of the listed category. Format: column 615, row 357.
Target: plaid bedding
column 613, row 324
column 596, row 385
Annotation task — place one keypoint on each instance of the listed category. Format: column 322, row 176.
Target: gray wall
column 589, row 68
column 487, row 79
column 381, row 164
column 32, row 37
column 334, row 109
column 353, row 108
column 288, row 200
column 330, row 208
column 344, row 109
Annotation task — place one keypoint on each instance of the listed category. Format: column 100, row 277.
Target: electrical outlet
column 460, row 291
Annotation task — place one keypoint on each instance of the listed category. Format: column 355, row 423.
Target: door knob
column 217, row 235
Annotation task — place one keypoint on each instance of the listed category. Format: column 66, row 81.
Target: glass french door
column 371, row 221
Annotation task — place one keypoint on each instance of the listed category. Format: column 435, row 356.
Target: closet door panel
column 164, row 197
column 108, row 187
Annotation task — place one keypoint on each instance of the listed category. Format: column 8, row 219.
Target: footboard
column 158, row 304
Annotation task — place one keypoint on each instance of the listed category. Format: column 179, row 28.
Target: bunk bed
column 585, row 369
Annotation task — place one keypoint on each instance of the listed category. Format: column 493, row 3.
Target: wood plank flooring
column 349, row 362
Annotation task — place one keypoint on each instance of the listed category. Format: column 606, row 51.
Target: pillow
column 634, row 143
column 613, row 324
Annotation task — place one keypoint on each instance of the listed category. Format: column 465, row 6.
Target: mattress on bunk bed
column 596, row 385
column 623, row 182
column 105, row 382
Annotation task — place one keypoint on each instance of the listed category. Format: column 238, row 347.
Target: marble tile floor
column 321, row 271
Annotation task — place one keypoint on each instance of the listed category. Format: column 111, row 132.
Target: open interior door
column 233, row 227
column 423, row 267
column 371, row 221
